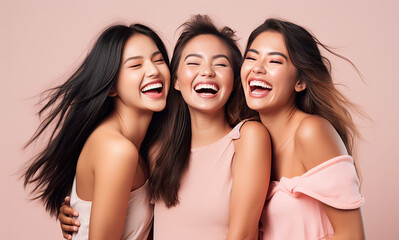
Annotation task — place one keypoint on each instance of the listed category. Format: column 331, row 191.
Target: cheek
column 227, row 77
column 186, row 76
column 166, row 75
column 245, row 70
column 129, row 81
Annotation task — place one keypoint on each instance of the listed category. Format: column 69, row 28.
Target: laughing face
column 205, row 76
column 268, row 77
column 144, row 78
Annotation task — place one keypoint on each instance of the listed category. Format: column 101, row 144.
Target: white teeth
column 206, row 86
column 151, row 87
column 259, row 84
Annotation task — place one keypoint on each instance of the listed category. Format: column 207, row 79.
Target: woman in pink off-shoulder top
column 315, row 189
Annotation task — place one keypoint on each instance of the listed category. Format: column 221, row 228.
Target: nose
column 207, row 70
column 151, row 71
column 259, row 68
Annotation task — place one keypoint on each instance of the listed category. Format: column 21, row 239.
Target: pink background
column 43, row 41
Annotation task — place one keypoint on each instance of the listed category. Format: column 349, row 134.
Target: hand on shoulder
column 317, row 141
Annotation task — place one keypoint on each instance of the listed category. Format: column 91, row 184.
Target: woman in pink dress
column 210, row 169
column 314, row 193
column 100, row 117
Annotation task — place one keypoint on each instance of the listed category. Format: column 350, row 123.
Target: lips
column 259, row 88
column 153, row 89
column 206, row 90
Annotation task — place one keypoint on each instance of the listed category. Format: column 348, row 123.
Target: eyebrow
column 221, row 56
column 141, row 57
column 192, row 55
column 270, row 53
column 214, row 57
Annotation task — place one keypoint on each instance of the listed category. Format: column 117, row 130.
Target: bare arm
column 317, row 141
column 347, row 224
column 251, row 176
column 114, row 172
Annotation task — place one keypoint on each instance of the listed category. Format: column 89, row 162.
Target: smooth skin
column 251, row 176
column 109, row 167
column 300, row 141
column 251, row 170
column 205, row 59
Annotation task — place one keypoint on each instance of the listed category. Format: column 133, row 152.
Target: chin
column 157, row 108
column 255, row 106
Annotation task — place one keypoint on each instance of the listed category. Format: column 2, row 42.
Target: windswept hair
column 74, row 109
column 320, row 97
column 173, row 144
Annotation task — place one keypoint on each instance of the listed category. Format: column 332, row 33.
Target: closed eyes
column 250, row 58
column 275, row 61
column 135, row 66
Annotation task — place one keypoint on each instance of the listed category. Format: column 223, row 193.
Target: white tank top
column 139, row 214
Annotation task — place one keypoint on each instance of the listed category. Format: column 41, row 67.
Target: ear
column 176, row 85
column 300, row 85
column 112, row 92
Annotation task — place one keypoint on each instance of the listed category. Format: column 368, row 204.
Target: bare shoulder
column 317, row 141
column 312, row 127
column 252, row 135
column 254, row 129
column 111, row 147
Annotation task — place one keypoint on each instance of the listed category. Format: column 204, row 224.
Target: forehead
column 206, row 44
column 269, row 41
column 139, row 45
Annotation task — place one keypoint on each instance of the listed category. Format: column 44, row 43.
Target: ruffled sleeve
column 333, row 182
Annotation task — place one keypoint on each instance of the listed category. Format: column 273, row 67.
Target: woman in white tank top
column 101, row 116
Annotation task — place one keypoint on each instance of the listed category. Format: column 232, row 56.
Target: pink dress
column 204, row 195
column 293, row 209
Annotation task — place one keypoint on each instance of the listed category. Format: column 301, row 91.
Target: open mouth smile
column 154, row 89
column 259, row 88
column 206, row 90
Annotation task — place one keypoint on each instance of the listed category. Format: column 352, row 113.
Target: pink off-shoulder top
column 293, row 208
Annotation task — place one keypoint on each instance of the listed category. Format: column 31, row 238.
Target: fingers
column 67, row 200
column 68, row 228
column 67, row 235
column 66, row 220
column 67, row 210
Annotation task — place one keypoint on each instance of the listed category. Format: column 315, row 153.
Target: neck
column 207, row 128
column 133, row 123
column 280, row 124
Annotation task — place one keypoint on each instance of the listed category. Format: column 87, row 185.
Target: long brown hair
column 320, row 96
column 173, row 143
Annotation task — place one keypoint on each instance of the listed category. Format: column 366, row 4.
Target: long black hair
column 173, row 143
column 74, row 109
